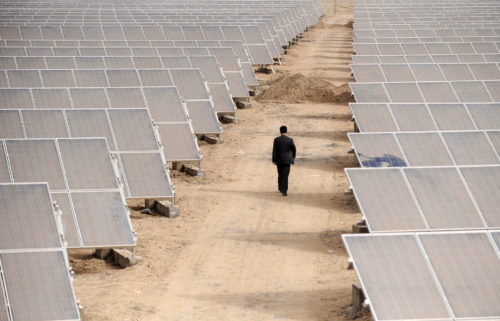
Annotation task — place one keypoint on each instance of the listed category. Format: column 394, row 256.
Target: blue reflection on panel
column 384, row 161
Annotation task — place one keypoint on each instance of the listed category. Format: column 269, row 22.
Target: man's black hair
column 283, row 129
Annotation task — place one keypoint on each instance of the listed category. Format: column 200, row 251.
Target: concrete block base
column 268, row 71
column 103, row 254
column 166, row 209
column 243, row 104
column 211, row 139
column 359, row 228
column 192, row 170
column 149, row 204
column 228, row 119
column 254, row 92
column 358, row 298
column 81, row 308
column 124, row 258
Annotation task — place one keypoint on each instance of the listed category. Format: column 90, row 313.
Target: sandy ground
column 240, row 250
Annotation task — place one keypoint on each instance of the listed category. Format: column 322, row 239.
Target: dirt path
column 240, row 250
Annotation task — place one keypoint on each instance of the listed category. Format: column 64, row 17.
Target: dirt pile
column 298, row 88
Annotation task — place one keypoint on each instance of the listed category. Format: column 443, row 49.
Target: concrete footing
column 253, row 92
column 122, row 257
column 243, row 104
column 81, row 308
column 125, row 258
column 192, row 170
column 166, row 209
column 103, row 254
column 228, row 119
column 358, row 297
column 211, row 139
column 267, row 69
column 360, row 227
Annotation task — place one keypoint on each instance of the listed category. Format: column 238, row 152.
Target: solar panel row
column 425, row 117
column 427, row 83
column 33, row 263
column 419, row 276
column 144, row 77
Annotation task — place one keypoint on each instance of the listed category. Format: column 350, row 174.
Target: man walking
column 283, row 156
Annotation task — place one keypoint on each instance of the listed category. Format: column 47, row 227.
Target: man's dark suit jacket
column 283, row 150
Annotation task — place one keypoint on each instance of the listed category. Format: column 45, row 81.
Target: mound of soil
column 299, row 88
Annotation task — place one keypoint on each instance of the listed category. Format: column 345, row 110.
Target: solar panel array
column 428, row 111
column 35, row 282
column 95, row 98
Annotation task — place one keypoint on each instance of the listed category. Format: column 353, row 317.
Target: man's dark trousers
column 283, row 172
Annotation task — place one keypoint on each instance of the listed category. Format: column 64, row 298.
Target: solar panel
column 413, row 117
column 391, row 208
column 10, row 124
column 424, row 149
column 43, row 124
column 426, row 72
column 65, row 164
column 466, row 148
column 369, row 93
column 475, row 265
column 483, row 182
column 471, row 91
column 456, row 72
column 176, row 62
column 206, row 121
column 403, row 92
column 396, row 277
column 486, row 116
column 433, row 188
column 485, row 71
column 397, row 73
column 89, row 97
column 165, row 104
column 43, row 165
column 370, row 152
column 39, row 286
column 126, row 98
column 179, row 141
column 190, row 83
column 24, row 78
column 236, row 83
column 221, row 98
column 145, row 178
column 208, row 67
column 451, row 117
column 367, row 73
column 493, row 89
column 28, row 219
column 470, row 148
column 373, row 118
column 437, row 92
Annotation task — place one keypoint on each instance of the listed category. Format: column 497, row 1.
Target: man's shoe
column 284, row 194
